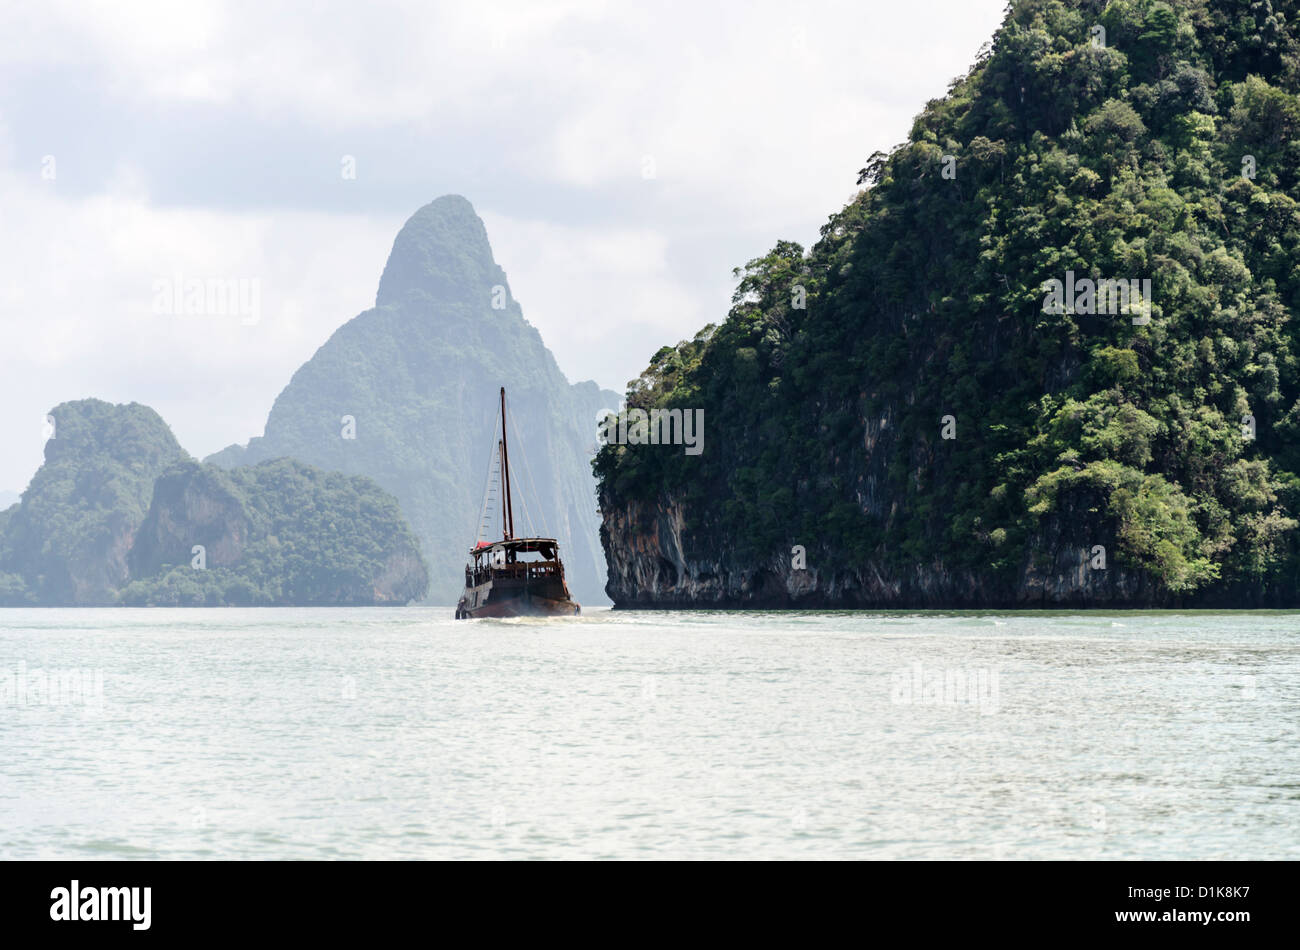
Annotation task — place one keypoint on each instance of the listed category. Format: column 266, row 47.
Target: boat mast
column 501, row 469
column 507, row 514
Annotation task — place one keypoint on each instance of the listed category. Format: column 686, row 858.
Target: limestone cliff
column 406, row 394
column 649, row 567
column 1056, row 323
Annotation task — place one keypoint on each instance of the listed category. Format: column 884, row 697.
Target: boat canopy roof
column 545, row 546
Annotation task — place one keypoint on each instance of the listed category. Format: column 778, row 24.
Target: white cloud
column 77, row 309
column 756, row 116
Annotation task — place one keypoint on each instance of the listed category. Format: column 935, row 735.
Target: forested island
column 1045, row 357
column 119, row 513
column 365, row 487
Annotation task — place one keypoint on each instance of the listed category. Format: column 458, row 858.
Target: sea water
column 402, row 733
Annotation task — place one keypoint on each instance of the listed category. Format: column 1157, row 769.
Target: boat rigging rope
column 529, row 473
column 493, row 455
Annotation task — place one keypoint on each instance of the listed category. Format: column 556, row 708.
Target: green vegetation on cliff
column 116, row 513
column 276, row 533
column 67, row 541
column 1164, row 146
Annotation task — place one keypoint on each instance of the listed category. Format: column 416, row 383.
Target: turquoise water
column 399, row 733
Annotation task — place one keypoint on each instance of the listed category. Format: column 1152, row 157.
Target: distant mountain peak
column 442, row 252
column 420, row 375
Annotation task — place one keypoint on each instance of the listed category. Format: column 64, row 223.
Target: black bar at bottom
column 332, row 901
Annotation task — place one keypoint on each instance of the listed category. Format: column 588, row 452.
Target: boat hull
column 521, row 607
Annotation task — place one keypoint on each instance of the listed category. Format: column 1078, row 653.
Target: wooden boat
column 514, row 577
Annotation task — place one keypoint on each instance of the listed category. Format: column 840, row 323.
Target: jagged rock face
column 407, row 394
column 403, row 579
column 192, row 505
column 649, row 567
column 291, row 533
column 100, row 567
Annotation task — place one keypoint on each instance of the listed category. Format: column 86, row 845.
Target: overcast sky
column 625, row 158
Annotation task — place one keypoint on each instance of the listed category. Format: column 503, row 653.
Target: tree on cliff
column 1124, row 141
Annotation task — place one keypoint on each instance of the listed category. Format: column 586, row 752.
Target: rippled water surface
column 402, row 733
